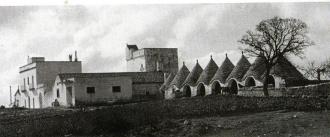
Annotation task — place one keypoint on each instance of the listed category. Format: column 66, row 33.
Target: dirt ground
column 266, row 124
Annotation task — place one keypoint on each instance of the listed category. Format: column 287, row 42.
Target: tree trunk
column 265, row 84
column 318, row 71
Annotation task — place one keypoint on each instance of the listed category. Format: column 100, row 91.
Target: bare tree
column 314, row 70
column 275, row 38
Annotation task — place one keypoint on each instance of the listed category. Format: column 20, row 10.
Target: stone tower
column 151, row 59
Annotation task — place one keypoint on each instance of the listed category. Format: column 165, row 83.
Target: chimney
column 76, row 57
column 70, row 57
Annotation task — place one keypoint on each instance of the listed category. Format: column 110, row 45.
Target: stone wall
column 258, row 92
column 146, row 91
column 316, row 90
column 167, row 58
column 322, row 89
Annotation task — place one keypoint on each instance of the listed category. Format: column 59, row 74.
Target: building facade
column 239, row 79
column 36, row 81
column 52, row 83
column 71, row 89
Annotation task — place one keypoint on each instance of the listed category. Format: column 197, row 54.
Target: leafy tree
column 275, row 38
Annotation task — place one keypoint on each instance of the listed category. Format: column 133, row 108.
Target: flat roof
column 49, row 62
column 136, row 76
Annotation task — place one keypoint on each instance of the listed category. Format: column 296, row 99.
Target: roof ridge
column 180, row 76
column 223, row 71
column 240, row 69
column 194, row 74
column 208, row 72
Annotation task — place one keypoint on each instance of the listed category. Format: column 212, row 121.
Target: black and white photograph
column 165, row 69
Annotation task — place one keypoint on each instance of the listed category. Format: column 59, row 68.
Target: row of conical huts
column 227, row 78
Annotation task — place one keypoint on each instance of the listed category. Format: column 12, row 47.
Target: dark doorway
column 233, row 87
column 29, row 101
column 250, row 82
column 216, row 88
column 186, row 91
column 201, row 90
column 69, row 96
column 40, row 100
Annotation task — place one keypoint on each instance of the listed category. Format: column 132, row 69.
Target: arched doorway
column 250, row 82
column 233, row 87
column 186, row 91
column 201, row 90
column 271, row 81
column 40, row 100
column 216, row 88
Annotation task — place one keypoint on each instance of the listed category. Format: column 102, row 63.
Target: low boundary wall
column 317, row 90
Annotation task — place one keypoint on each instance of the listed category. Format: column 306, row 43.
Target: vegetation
column 275, row 38
column 314, row 70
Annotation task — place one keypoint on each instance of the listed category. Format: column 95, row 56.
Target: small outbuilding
column 71, row 89
column 174, row 88
column 234, row 80
column 203, row 81
column 189, row 85
column 219, row 79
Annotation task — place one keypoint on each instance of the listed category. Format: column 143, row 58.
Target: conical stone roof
column 167, row 82
column 257, row 69
column 180, row 76
column 286, row 70
column 224, row 70
column 283, row 69
column 208, row 72
column 193, row 75
column 240, row 69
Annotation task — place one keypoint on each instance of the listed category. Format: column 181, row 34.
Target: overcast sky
column 100, row 33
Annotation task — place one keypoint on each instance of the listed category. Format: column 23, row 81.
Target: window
column 90, row 90
column 33, row 102
column 28, row 80
column 147, row 93
column 116, row 89
column 58, row 93
column 32, row 81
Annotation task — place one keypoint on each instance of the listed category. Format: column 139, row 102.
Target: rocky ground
column 266, row 124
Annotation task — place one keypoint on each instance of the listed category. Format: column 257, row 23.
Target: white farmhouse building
column 36, row 80
column 71, row 89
